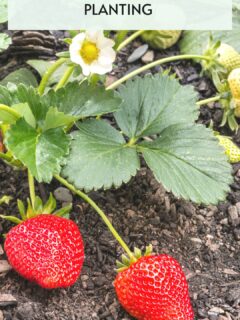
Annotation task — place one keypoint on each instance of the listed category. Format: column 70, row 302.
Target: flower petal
column 107, row 56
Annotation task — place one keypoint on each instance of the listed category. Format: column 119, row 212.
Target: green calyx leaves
column 39, row 208
column 37, row 125
column 183, row 156
column 126, row 262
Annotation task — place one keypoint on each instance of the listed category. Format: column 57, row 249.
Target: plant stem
column 5, row 157
column 31, row 188
column 49, row 73
column 65, row 78
column 99, row 211
column 129, row 39
column 154, row 64
column 206, row 101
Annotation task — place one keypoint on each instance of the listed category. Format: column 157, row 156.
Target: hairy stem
column 154, row 64
column 99, row 211
column 49, row 73
column 65, row 78
column 129, row 39
column 209, row 100
column 31, row 188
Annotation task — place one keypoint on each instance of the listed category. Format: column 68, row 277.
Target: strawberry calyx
column 39, row 208
column 126, row 262
column 213, row 65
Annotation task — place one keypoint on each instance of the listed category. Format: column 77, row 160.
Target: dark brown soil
column 206, row 240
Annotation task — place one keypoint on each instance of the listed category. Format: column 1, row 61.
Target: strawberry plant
column 61, row 132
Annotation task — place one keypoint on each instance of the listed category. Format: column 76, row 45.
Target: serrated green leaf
column 24, row 110
column 5, row 40
column 43, row 153
column 188, row 161
column 30, row 96
column 153, row 103
column 56, row 119
column 22, row 75
column 83, row 100
column 3, row 11
column 23, row 94
column 99, row 157
column 196, row 42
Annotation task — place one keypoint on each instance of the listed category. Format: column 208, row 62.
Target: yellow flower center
column 89, row 52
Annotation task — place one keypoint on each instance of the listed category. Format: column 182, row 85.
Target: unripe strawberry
column 234, row 84
column 47, row 250
column 161, row 39
column 231, row 149
column 229, row 58
column 154, row 288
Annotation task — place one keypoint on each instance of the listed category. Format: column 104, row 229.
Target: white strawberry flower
column 93, row 52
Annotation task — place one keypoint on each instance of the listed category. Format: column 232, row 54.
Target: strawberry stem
column 209, row 100
column 100, row 212
column 48, row 75
column 129, row 40
column 154, row 64
column 5, row 157
column 65, row 78
column 31, row 189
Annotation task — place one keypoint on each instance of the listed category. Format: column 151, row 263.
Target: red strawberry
column 47, row 250
column 154, row 288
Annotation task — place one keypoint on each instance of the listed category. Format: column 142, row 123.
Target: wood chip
column 231, row 272
column 7, row 300
column 4, row 266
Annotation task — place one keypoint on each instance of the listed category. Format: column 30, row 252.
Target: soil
column 205, row 239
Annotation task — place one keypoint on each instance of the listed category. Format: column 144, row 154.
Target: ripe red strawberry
column 47, row 250
column 154, row 288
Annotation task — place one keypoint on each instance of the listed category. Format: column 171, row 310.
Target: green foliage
column 19, row 76
column 83, row 101
column 154, row 103
column 38, row 124
column 185, row 157
column 41, row 152
column 99, row 157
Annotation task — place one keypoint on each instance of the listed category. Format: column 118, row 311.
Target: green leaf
column 154, row 103
column 23, row 94
column 56, row 119
column 83, row 100
column 5, row 40
column 23, row 76
column 43, row 153
column 30, row 96
column 3, row 11
column 188, row 161
column 8, row 115
column 99, row 157
column 196, row 42
column 24, row 110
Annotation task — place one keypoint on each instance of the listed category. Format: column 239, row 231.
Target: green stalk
column 100, row 212
column 65, row 78
column 209, row 100
column 49, row 73
column 5, row 157
column 129, row 39
column 154, row 64
column 31, row 188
